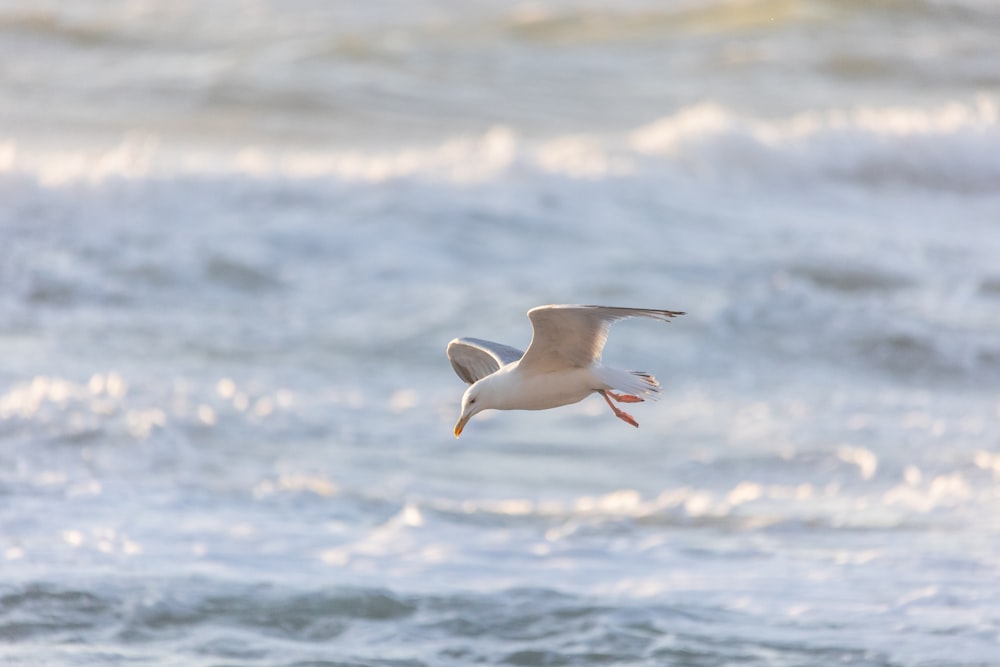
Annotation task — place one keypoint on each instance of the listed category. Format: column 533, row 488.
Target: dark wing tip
column 639, row 311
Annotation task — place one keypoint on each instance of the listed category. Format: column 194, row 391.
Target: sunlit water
column 237, row 238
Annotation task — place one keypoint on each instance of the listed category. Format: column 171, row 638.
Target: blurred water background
column 236, row 236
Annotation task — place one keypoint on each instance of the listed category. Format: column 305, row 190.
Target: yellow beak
column 460, row 424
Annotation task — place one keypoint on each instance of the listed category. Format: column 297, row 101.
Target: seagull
column 562, row 364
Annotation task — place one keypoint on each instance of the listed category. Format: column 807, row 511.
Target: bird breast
column 526, row 391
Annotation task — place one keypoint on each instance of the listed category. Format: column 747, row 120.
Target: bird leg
column 625, row 398
column 621, row 414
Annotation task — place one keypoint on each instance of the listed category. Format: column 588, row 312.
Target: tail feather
column 637, row 383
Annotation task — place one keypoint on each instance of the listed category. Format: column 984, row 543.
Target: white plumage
column 562, row 365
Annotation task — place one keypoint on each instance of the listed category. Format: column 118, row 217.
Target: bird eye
column 471, row 401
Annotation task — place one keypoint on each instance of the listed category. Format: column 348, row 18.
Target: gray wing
column 567, row 336
column 474, row 358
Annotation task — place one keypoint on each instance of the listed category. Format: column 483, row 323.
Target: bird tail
column 637, row 383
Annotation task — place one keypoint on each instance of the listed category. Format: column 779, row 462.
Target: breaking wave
column 955, row 147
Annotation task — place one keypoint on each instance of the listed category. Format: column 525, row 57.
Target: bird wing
column 474, row 358
column 573, row 336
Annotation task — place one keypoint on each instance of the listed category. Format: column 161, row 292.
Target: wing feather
column 474, row 358
column 569, row 336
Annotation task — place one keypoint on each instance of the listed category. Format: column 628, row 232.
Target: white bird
column 561, row 366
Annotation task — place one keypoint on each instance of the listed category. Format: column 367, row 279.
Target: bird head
column 474, row 401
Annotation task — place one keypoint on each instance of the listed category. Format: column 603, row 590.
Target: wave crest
column 954, row 147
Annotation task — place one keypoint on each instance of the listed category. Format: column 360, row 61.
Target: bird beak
column 460, row 424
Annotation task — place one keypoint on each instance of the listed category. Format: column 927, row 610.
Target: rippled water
column 236, row 239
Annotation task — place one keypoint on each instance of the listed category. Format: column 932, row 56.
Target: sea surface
column 236, row 237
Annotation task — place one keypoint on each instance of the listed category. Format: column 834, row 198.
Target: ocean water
column 236, row 237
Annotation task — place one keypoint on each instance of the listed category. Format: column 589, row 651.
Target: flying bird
column 562, row 364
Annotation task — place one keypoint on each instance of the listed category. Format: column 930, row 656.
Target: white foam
column 953, row 147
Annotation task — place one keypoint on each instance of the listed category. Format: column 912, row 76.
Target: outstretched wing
column 573, row 336
column 474, row 358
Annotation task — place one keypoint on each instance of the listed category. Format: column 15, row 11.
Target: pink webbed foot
column 625, row 398
column 621, row 414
